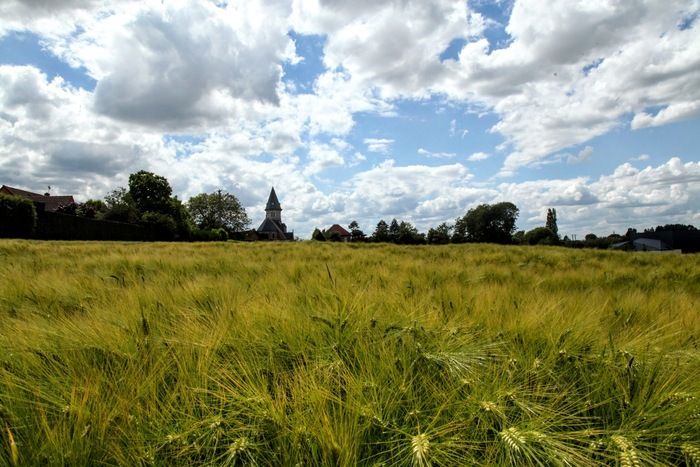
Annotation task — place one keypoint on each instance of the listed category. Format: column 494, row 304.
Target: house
column 344, row 235
column 43, row 202
column 272, row 228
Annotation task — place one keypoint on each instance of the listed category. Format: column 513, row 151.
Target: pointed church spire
column 273, row 203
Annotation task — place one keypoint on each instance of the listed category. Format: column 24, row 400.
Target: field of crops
column 330, row 354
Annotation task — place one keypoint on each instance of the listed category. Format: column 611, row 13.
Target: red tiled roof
column 51, row 203
column 340, row 230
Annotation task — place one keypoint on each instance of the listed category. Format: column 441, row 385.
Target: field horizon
column 346, row 354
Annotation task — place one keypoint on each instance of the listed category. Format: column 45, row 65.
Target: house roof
column 51, row 203
column 340, row 230
column 273, row 203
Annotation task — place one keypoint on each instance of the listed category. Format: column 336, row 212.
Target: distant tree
column 218, row 210
column 333, row 236
column 675, row 228
column 120, row 207
column 440, row 235
column 92, row 208
column 590, row 237
column 519, row 237
column 540, row 236
column 183, row 221
column 381, row 233
column 630, row 234
column 150, row 192
column 408, row 234
column 459, row 234
column 355, row 231
column 394, row 231
column 552, row 221
column 487, row 223
column 318, row 236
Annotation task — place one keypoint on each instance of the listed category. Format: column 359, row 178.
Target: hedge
column 17, row 217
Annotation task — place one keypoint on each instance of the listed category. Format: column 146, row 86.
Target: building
column 686, row 241
column 344, row 235
column 272, row 228
column 44, row 202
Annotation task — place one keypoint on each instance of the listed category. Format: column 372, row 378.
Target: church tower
column 272, row 228
column 273, row 210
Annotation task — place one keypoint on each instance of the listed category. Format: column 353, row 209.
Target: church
column 272, row 228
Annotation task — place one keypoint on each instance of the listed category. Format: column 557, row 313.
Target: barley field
column 330, row 354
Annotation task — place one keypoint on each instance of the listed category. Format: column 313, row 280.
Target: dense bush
column 540, row 236
column 17, row 217
column 164, row 226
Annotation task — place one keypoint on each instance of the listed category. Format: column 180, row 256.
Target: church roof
column 271, row 226
column 273, row 203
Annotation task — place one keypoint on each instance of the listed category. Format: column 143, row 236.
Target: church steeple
column 273, row 210
column 273, row 203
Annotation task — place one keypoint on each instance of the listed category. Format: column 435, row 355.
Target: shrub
column 164, row 226
column 17, row 217
column 221, row 234
column 541, row 236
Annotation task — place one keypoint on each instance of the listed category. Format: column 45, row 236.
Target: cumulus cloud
column 582, row 156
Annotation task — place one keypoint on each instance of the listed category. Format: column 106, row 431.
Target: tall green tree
column 218, row 210
column 494, row 223
column 381, row 232
column 552, row 221
column 440, row 235
column 355, row 231
column 150, row 192
column 394, row 231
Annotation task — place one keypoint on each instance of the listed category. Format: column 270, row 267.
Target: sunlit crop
column 331, row 354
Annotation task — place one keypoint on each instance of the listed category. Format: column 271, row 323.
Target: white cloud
column 478, row 156
column 641, row 157
column 321, row 157
column 380, row 145
column 582, row 156
column 436, row 155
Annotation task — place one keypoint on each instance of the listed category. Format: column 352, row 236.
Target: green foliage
column 332, row 236
column 318, row 236
column 162, row 225
column 439, row 235
column 381, row 232
column 17, row 217
column 357, row 234
column 540, row 236
column 218, row 210
column 551, row 223
column 149, row 192
column 487, row 223
column 120, row 207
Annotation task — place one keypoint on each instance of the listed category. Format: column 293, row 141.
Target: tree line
column 147, row 201
column 487, row 223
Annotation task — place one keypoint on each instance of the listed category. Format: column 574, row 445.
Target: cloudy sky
column 414, row 109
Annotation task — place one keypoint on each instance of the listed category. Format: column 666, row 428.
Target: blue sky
column 358, row 111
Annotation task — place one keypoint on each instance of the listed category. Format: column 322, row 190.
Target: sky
column 364, row 110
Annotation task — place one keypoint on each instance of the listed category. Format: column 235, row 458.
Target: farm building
column 344, row 235
column 44, row 202
column 272, row 228
column 685, row 241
